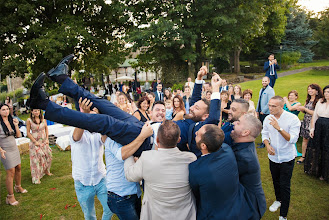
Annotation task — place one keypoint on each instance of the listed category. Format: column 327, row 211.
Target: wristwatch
column 281, row 129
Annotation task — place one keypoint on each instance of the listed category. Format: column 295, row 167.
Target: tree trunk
column 237, row 52
column 198, row 50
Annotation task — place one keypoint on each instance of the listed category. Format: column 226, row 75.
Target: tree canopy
column 39, row 33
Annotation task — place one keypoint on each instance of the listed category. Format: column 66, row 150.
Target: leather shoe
column 62, row 67
column 37, row 94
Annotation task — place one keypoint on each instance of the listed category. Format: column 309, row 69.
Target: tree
column 178, row 35
column 274, row 30
column 39, row 33
column 321, row 33
column 298, row 35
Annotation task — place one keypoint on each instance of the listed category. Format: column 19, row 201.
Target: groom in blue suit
column 270, row 67
column 214, row 179
column 113, row 122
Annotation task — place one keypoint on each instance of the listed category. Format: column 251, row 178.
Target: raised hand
column 202, row 72
column 16, row 122
column 216, row 82
column 85, row 105
column 274, row 123
column 147, row 130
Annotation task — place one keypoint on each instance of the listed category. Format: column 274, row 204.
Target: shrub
column 177, row 86
column 290, row 58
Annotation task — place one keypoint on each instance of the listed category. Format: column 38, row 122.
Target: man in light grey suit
column 165, row 171
column 265, row 94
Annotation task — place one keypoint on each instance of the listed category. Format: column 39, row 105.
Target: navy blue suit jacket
column 188, row 127
column 267, row 69
column 227, row 128
column 249, row 175
column 214, row 180
column 157, row 98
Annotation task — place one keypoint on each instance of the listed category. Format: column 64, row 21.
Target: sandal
column 300, row 161
column 8, row 202
column 18, row 191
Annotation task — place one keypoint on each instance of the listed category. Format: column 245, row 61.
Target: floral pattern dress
column 40, row 156
column 305, row 127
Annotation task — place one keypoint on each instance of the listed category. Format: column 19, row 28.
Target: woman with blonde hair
column 40, row 152
column 124, row 104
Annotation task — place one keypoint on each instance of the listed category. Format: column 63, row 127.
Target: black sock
column 59, row 79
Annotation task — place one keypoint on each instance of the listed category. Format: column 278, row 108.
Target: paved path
column 287, row 73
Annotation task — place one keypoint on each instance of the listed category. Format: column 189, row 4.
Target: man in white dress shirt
column 280, row 133
column 88, row 168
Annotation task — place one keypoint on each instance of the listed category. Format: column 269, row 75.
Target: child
column 169, row 109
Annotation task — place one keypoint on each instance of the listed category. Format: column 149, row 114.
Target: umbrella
column 123, row 78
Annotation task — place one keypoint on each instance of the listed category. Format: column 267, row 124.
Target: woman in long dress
column 40, row 152
column 10, row 157
column 314, row 93
column 317, row 154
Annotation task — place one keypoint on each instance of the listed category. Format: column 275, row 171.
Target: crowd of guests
column 193, row 152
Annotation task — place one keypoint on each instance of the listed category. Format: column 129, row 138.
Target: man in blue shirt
column 123, row 196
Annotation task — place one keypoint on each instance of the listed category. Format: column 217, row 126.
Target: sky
column 314, row 5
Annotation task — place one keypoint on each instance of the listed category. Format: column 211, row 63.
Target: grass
column 309, row 196
column 311, row 64
column 283, row 85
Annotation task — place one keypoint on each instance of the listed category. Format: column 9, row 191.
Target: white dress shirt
column 284, row 150
column 87, row 158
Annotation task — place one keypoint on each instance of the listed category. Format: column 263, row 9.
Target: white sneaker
column 282, row 218
column 275, row 206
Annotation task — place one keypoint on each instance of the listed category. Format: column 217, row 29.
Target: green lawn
column 312, row 64
column 283, row 85
column 309, row 196
column 296, row 66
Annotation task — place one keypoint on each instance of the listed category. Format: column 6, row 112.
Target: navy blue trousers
column 113, row 122
column 272, row 80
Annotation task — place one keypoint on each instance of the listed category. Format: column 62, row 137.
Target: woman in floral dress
column 40, row 152
column 314, row 93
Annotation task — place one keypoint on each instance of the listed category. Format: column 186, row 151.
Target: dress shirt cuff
column 215, row 95
column 293, row 139
column 199, row 81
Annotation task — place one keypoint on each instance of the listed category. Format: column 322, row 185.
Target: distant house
column 14, row 83
column 126, row 69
